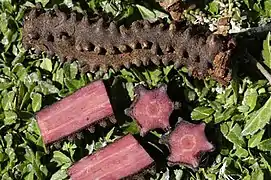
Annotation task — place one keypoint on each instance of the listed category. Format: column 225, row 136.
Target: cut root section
column 83, row 109
column 118, row 160
column 187, row 142
column 151, row 109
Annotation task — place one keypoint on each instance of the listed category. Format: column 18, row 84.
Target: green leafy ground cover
column 237, row 116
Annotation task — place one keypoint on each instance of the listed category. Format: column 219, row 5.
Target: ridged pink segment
column 120, row 159
column 151, row 109
column 75, row 112
column 186, row 142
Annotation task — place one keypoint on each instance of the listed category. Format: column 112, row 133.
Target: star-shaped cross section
column 186, row 143
column 151, row 108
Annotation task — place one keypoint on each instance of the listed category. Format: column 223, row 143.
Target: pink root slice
column 186, row 143
column 151, row 109
column 118, row 160
column 80, row 110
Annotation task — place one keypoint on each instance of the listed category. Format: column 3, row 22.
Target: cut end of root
column 86, row 107
column 187, row 142
column 151, row 109
column 123, row 158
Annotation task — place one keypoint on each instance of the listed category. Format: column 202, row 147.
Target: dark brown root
column 101, row 44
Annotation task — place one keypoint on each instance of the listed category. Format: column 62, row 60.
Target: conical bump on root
column 122, row 158
column 187, row 142
column 151, row 109
column 84, row 108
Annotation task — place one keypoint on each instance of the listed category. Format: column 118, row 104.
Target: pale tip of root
column 146, row 61
column 37, row 52
column 84, row 69
column 164, row 139
column 127, row 112
column 147, row 24
column 50, row 54
column 140, row 90
column 103, row 123
column 71, row 138
column 55, row 7
column 177, row 105
column 177, row 64
column 180, row 119
column 127, row 65
column 163, row 88
column 167, row 127
column 112, row 119
column 137, row 62
column 91, row 129
column 38, row 5
column 156, row 61
column 143, row 132
column 27, row 47
column 116, row 68
column 57, row 145
column 79, row 135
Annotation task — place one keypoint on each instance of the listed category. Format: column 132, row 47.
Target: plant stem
column 260, row 67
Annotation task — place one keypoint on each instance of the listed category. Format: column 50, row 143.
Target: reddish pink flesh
column 151, row 109
column 186, row 142
column 120, row 159
column 75, row 112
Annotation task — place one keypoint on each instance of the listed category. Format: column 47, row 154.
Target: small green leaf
column 131, row 128
column 47, row 88
column 213, row 7
column 74, row 84
column 73, row 70
column 59, row 175
column 5, row 85
column 234, row 135
column 36, row 101
column 11, row 154
column 250, row 98
column 243, row 108
column 201, row 113
column 178, row 173
column 58, row 76
column 266, row 52
column 267, row 8
column 69, row 147
column 30, row 176
column 46, row 64
column 225, row 115
column 240, row 152
column 235, row 86
column 109, row 134
column 265, row 145
column 257, row 174
column 60, row 158
column 10, row 117
column 8, row 100
column 259, row 121
column 155, row 76
column 130, row 89
column 43, row 2
column 255, row 139
column 145, row 12
column 8, row 138
column 265, row 159
column 247, row 2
